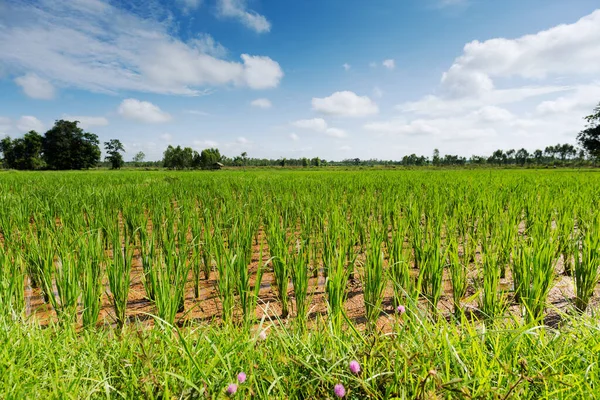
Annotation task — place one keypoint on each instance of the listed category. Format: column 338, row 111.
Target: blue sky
column 295, row 78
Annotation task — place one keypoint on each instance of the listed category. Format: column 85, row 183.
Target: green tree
column 589, row 138
column 315, row 162
column 67, row 146
column 208, row 158
column 436, row 157
column 139, row 158
column 522, row 156
column 113, row 148
column 23, row 153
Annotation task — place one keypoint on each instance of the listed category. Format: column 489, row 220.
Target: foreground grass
column 420, row 359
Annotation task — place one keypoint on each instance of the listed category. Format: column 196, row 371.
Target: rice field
column 300, row 284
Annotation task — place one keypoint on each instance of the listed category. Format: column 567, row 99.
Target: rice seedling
column 300, row 274
column 587, row 261
column 118, row 271
column 374, row 279
column 90, row 261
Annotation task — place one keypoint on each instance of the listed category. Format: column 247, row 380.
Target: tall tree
column 139, row 157
column 589, row 138
column 113, row 148
column 23, row 153
column 67, row 146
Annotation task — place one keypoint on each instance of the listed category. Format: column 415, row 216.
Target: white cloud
column 373, row 64
column 35, row 87
column 336, row 133
column 29, row 123
column 261, row 103
column 206, row 44
column 347, row 66
column 345, row 103
column 315, row 124
column 142, row 111
column 189, row 5
column 346, row 148
column 439, row 105
column 294, row 137
column 237, row 9
column 96, row 46
column 196, row 112
column 167, row 137
column 243, row 141
column 402, row 127
column 568, row 49
column 319, row 125
column 581, row 100
column 492, row 114
column 389, row 64
column 87, row 122
column 204, row 144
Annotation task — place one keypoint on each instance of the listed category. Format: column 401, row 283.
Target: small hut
column 216, row 165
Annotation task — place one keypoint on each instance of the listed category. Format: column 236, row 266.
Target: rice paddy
column 300, row 284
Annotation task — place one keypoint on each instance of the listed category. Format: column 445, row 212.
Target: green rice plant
column 118, row 271
column 587, row 261
column 90, row 267
column 491, row 303
column 458, row 275
column 399, row 266
column 207, row 259
column 226, row 279
column 169, row 285
column 565, row 225
column 148, row 256
column 335, row 287
column 241, row 243
column 534, row 261
column 66, row 279
column 278, row 246
column 300, row 273
column 12, row 276
column 374, row 278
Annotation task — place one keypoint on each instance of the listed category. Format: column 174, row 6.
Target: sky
column 333, row 79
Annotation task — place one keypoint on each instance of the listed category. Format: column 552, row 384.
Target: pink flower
column 241, row 377
column 339, row 390
column 354, row 367
column 231, row 389
column 262, row 335
column 400, row 310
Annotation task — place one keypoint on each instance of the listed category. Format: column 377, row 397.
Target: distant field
column 440, row 284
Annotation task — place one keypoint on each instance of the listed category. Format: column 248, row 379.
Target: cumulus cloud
column 261, row 103
column 346, row 103
column 294, row 137
column 347, row 66
column 142, row 111
column 389, row 64
column 87, row 122
column 315, row 124
column 238, row 9
column 167, row 137
column 568, row 49
column 35, row 87
column 94, row 45
column 29, row 123
column 319, row 125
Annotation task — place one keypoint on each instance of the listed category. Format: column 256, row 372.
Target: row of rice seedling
column 86, row 243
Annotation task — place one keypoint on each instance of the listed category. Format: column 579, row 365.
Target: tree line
column 67, row 146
